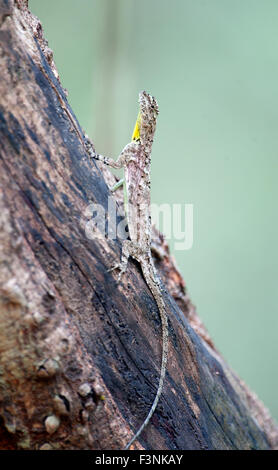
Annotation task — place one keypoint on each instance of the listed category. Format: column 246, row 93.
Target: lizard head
column 146, row 120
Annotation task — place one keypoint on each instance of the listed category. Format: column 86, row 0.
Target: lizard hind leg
column 124, row 259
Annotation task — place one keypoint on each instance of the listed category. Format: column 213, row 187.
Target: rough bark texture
column 73, row 362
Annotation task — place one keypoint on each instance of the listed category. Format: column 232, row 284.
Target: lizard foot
column 120, row 267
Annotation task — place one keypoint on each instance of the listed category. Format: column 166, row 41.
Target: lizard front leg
column 128, row 153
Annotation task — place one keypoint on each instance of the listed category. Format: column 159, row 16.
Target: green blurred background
column 213, row 67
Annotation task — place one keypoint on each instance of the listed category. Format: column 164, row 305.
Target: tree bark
column 73, row 362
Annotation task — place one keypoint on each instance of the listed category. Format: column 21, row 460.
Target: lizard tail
column 153, row 282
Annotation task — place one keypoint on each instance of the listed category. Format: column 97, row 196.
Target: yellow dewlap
column 136, row 132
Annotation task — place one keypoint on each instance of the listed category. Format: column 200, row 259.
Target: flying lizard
column 136, row 161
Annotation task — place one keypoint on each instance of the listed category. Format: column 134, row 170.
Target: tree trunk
column 74, row 368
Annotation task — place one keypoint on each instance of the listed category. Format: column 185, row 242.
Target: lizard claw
column 117, row 266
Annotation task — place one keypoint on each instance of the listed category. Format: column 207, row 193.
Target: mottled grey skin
column 136, row 161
